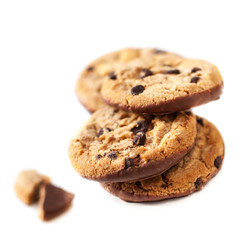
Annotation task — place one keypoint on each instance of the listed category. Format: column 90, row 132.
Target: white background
column 44, row 45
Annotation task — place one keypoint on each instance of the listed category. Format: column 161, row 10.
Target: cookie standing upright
column 196, row 168
column 89, row 84
column 162, row 83
column 118, row 146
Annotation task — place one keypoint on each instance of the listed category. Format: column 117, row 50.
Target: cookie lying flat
column 89, row 84
column 162, row 83
column 189, row 175
column 118, row 146
column 27, row 185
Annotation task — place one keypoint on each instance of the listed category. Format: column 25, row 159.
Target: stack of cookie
column 142, row 142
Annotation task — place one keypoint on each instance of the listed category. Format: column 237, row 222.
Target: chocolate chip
column 164, row 186
column 142, row 126
column 145, row 73
column 139, row 139
column 109, row 129
column 138, row 184
column 200, row 121
column 195, row 69
column 159, row 51
column 218, row 161
column 198, row 183
column 194, row 79
column 100, row 132
column 112, row 76
column 112, row 155
column 128, row 162
column 98, row 156
column 172, row 71
column 137, row 89
column 90, row 69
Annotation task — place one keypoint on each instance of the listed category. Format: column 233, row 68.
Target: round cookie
column 162, row 83
column 116, row 146
column 89, row 84
column 189, row 175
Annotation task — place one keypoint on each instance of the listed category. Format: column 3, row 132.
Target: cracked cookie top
column 189, row 175
column 162, row 83
column 120, row 146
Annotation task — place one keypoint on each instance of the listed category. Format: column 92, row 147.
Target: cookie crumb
column 28, row 184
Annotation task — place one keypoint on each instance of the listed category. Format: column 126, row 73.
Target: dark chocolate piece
column 112, row 76
column 100, row 132
column 53, row 201
column 112, row 155
column 137, row 89
column 90, row 69
column 218, row 162
column 200, row 121
column 159, row 51
column 139, row 139
column 128, row 163
column 142, row 126
column 195, row 69
column 194, row 79
column 145, row 73
column 172, row 71
column 198, row 183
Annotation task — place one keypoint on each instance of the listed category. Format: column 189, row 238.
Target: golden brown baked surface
column 89, row 84
column 121, row 146
column 162, row 83
column 189, row 175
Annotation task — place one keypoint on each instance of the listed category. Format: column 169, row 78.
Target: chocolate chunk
column 128, row 162
column 195, row 69
column 218, row 161
column 138, row 184
column 172, row 71
column 198, row 183
column 139, row 139
column 142, row 126
column 159, row 51
column 98, row 156
column 90, row 69
column 53, row 201
column 164, row 186
column 137, row 89
column 194, row 79
column 145, row 73
column 112, row 76
column 112, row 155
column 200, row 121
column 100, row 132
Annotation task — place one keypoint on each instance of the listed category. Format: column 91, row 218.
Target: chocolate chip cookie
column 116, row 146
column 162, row 83
column 195, row 169
column 89, row 84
